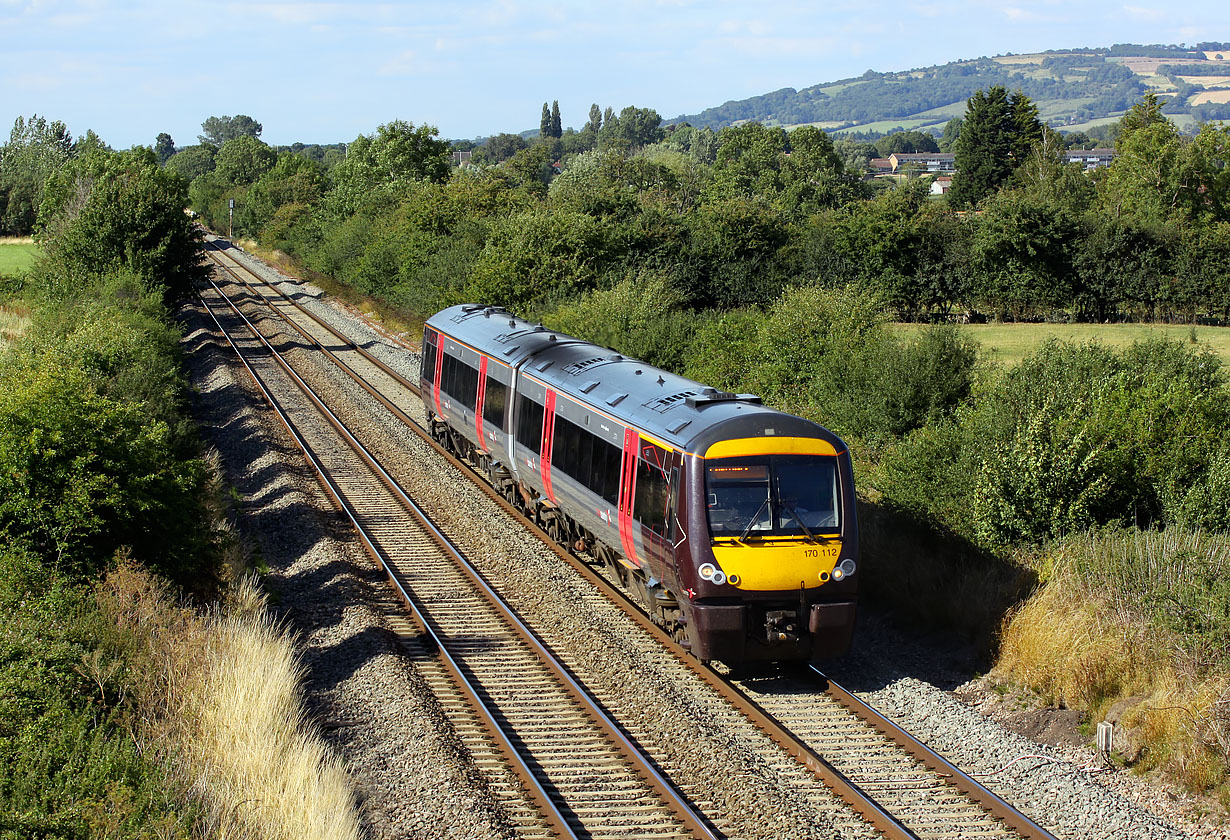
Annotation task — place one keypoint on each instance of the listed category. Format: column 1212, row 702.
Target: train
column 733, row 524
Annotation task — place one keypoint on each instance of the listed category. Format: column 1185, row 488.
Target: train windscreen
column 772, row 495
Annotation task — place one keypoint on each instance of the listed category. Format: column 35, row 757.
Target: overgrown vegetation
column 1136, row 618
column 121, row 714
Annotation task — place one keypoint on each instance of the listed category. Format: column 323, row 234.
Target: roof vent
column 711, row 395
column 663, row 404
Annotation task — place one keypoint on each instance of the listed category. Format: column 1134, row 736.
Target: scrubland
column 145, row 692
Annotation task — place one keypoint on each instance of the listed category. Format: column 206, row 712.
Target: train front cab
column 776, row 575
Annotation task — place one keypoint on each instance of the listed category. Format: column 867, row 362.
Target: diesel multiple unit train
column 733, row 523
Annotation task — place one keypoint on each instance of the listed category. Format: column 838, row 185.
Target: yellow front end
column 786, row 563
column 763, row 561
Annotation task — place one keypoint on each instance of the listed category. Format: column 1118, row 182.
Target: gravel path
column 354, row 661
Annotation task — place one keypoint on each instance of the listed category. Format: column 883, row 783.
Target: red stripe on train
column 479, row 400
column 435, row 384
column 548, row 437
column 627, row 492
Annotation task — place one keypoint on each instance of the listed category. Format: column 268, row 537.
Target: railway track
column 894, row 782
column 582, row 774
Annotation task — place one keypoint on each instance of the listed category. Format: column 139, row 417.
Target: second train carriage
column 735, row 523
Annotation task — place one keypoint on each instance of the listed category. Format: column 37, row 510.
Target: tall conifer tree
column 544, row 125
column 997, row 133
column 557, row 130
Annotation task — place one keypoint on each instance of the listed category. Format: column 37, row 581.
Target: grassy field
column 17, row 255
column 1009, row 343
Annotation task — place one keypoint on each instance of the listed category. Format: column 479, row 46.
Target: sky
column 326, row 72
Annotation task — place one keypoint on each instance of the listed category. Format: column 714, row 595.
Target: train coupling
column 781, row 626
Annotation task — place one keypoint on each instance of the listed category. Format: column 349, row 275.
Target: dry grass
column 14, row 321
column 1124, row 618
column 266, row 771
column 1220, row 97
column 1069, row 649
column 220, row 700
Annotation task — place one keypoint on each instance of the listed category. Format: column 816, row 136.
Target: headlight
column 848, row 566
column 707, row 571
column 719, row 577
column 838, row 573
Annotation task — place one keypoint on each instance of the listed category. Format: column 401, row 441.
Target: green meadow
column 17, row 255
column 1010, row 343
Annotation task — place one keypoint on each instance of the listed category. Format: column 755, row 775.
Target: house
column 941, row 185
column 880, row 166
column 933, row 162
column 462, row 158
column 1089, row 158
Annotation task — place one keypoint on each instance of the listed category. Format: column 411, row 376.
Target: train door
column 479, row 400
column 627, row 496
column 652, row 503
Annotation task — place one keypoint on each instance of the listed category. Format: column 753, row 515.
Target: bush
column 825, row 354
column 1075, row 436
column 538, row 256
column 69, row 767
column 82, row 474
column 107, row 210
column 641, row 317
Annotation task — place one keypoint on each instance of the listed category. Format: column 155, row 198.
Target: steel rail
column 340, row 336
column 958, row 778
column 846, row 788
column 675, row 801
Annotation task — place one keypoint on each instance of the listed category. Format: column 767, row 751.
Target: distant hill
column 1073, row 89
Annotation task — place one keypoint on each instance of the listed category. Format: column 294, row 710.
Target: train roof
column 680, row 412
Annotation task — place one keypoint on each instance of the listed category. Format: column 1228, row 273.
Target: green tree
column 996, row 134
column 164, row 148
column 218, row 130
column 540, row 254
column 120, row 210
column 397, row 154
column 557, row 129
column 905, row 142
column 1146, row 112
column 952, row 130
column 36, row 149
column 192, row 161
column 501, row 147
column 595, row 118
column 242, row 161
column 544, row 124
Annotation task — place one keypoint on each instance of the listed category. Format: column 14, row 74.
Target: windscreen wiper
column 789, row 507
column 752, row 521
